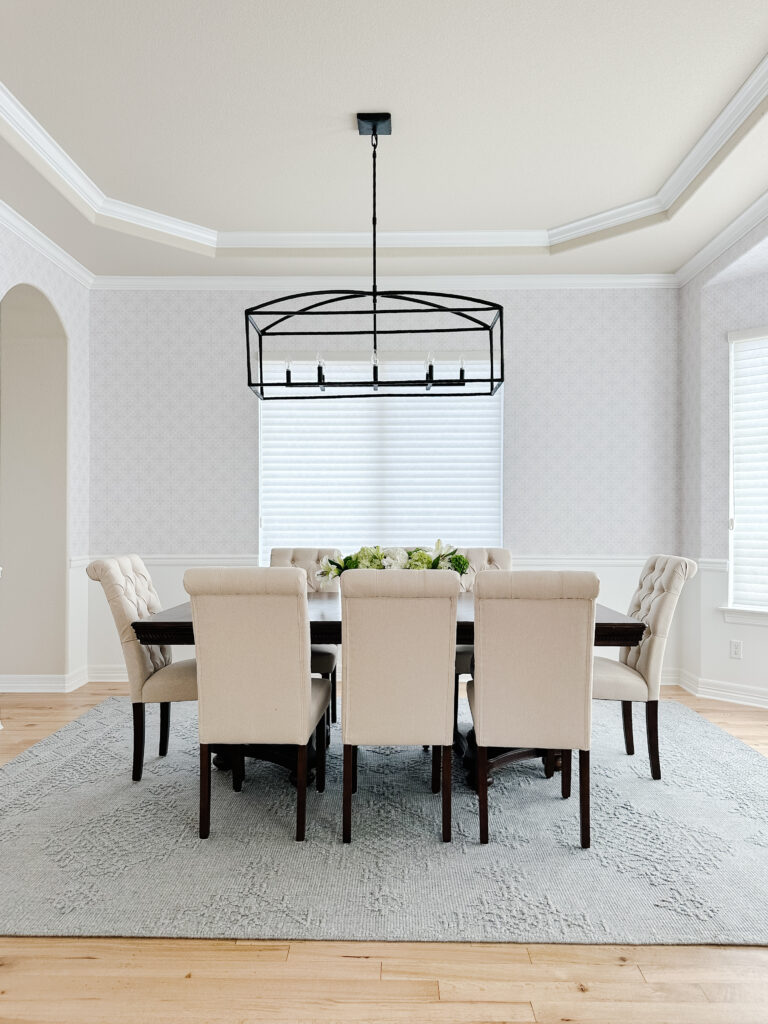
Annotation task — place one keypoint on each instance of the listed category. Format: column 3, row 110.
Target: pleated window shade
column 749, row 472
column 387, row 471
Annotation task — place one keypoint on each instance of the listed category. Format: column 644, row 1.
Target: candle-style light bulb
column 287, row 371
column 321, row 371
column 375, row 367
column 461, row 368
column 430, row 370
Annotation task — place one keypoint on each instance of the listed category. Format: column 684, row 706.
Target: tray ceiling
column 527, row 137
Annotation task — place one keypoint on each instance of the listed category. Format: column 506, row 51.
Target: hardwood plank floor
column 131, row 981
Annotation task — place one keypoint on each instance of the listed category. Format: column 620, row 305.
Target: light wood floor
column 84, row 981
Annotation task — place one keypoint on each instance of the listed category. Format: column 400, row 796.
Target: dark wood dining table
column 174, row 626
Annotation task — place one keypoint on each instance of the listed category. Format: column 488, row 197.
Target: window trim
column 756, row 615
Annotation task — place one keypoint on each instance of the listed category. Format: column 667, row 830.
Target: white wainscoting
column 705, row 667
column 618, row 579
column 697, row 653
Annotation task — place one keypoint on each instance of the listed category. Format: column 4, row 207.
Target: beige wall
column 33, row 495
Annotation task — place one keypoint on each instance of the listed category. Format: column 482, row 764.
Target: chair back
column 399, row 641
column 481, row 559
column 534, row 634
column 131, row 596
column 308, row 559
column 252, row 644
column 654, row 602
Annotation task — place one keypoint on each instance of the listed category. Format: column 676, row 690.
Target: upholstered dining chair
column 254, row 676
column 532, row 687
column 480, row 559
column 324, row 656
column 152, row 676
column 409, row 702
column 636, row 676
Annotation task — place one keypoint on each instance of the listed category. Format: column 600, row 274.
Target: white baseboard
column 107, row 674
column 44, row 683
column 716, row 689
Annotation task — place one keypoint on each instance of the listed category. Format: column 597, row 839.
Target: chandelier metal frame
column 272, row 319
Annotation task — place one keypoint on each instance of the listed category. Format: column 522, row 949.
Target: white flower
column 326, row 573
column 394, row 558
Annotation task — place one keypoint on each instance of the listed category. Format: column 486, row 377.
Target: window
column 749, row 469
column 388, row 471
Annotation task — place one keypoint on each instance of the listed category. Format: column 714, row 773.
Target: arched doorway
column 33, row 488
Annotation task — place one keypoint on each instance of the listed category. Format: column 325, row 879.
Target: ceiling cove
column 22, row 131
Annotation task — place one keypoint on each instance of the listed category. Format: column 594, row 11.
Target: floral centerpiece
column 442, row 556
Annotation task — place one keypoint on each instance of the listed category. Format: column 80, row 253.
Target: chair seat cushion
column 464, row 656
column 319, row 700
column 324, row 657
column 177, row 681
column 613, row 680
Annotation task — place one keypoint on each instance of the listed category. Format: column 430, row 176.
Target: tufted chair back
column 483, row 558
column 308, row 559
column 653, row 603
column 131, row 596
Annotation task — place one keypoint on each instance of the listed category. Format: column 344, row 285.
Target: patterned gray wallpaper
column 591, row 455
column 21, row 264
column 711, row 305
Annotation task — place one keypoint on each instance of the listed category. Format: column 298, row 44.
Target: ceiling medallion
column 346, row 343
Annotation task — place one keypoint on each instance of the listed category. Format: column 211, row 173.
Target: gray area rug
column 84, row 851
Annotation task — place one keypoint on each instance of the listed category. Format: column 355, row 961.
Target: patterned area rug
column 84, row 851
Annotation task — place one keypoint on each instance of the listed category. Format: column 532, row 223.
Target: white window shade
column 388, row 471
column 749, row 472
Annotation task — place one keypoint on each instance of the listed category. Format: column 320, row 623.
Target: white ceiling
column 509, row 116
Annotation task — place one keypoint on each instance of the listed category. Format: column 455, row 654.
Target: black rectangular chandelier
column 344, row 343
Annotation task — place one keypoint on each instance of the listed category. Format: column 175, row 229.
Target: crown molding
column 608, row 220
column 715, row 248
column 42, row 244
column 28, row 136
column 241, row 240
column 726, row 125
column 458, row 283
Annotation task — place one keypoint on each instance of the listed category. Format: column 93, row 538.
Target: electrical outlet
column 737, row 648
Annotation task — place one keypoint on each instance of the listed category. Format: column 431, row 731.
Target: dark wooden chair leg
column 354, row 769
column 584, row 797
column 238, row 768
column 320, row 755
column 565, row 777
column 328, row 726
column 626, row 717
column 138, row 741
column 549, row 763
column 205, row 790
column 165, row 726
column 347, row 794
column 333, row 695
column 447, row 759
column 436, row 769
column 455, row 704
column 652, row 729
column 482, row 791
column 301, row 792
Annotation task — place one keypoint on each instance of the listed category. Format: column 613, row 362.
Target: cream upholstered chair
column 408, row 701
column 479, row 560
column 253, row 670
column 152, row 676
column 637, row 675
column 534, row 634
column 324, row 656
